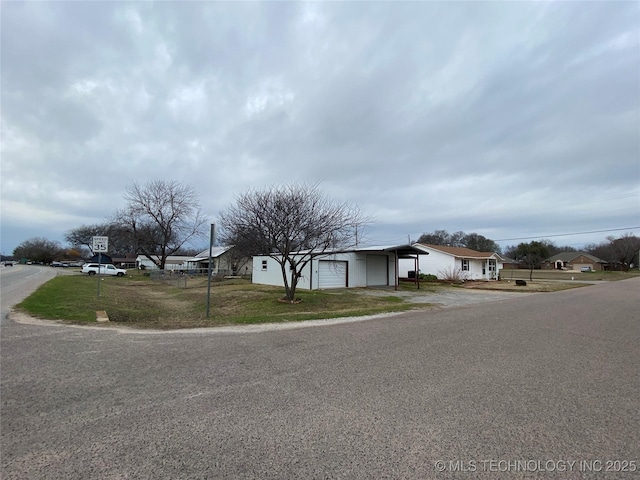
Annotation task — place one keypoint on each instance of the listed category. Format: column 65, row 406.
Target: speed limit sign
column 100, row 244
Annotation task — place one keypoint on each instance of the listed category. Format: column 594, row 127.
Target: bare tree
column 121, row 241
column 457, row 239
column 624, row 249
column 81, row 236
column 161, row 216
column 292, row 224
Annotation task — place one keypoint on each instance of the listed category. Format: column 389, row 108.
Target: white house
column 173, row 262
column 465, row 263
column 359, row 267
column 225, row 262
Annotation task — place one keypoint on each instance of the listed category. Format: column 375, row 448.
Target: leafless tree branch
column 291, row 223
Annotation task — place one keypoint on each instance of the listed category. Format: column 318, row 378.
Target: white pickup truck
column 105, row 269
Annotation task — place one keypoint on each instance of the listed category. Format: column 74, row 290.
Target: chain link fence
column 182, row 278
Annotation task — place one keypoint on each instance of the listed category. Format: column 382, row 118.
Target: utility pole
column 210, row 270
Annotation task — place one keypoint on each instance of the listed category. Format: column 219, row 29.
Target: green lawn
column 139, row 301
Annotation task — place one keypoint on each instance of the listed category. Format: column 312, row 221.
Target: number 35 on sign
column 100, row 244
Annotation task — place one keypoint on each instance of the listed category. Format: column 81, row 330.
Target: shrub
column 427, row 277
column 453, row 275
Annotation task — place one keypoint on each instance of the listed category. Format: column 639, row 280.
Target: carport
column 405, row 252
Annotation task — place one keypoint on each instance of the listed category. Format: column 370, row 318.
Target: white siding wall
column 377, row 266
column 356, row 270
column 221, row 263
column 360, row 267
column 149, row 265
column 273, row 274
column 408, row 264
column 392, row 270
column 267, row 276
column 174, row 266
column 359, row 271
column 245, row 268
column 437, row 263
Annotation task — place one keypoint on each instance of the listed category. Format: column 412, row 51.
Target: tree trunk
column 289, row 285
column 291, row 292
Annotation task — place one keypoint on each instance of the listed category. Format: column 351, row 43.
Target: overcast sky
column 508, row 119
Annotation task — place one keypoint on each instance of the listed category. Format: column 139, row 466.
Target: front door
column 492, row 269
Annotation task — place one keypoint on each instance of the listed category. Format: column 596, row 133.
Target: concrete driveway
column 445, row 297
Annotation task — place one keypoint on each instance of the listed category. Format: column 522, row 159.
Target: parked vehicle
column 59, row 264
column 585, row 269
column 108, row 269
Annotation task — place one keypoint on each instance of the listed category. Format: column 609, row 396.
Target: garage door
column 377, row 270
column 332, row 274
column 578, row 266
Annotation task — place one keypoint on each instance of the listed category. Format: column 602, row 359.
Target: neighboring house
column 359, row 267
column 173, row 262
column 574, row 261
column 509, row 263
column 460, row 262
column 225, row 262
column 101, row 258
column 128, row 261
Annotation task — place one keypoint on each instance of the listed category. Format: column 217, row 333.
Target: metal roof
column 215, row 253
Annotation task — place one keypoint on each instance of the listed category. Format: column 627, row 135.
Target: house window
column 465, row 264
column 264, row 265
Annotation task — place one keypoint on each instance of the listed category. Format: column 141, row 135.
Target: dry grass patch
column 531, row 286
column 149, row 304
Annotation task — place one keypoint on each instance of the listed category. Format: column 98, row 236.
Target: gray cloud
column 509, row 119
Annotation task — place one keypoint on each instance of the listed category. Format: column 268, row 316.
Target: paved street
column 18, row 282
column 530, row 379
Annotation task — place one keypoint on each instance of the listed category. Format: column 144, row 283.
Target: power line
column 566, row 234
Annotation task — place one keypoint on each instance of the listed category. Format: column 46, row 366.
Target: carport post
column 396, row 275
